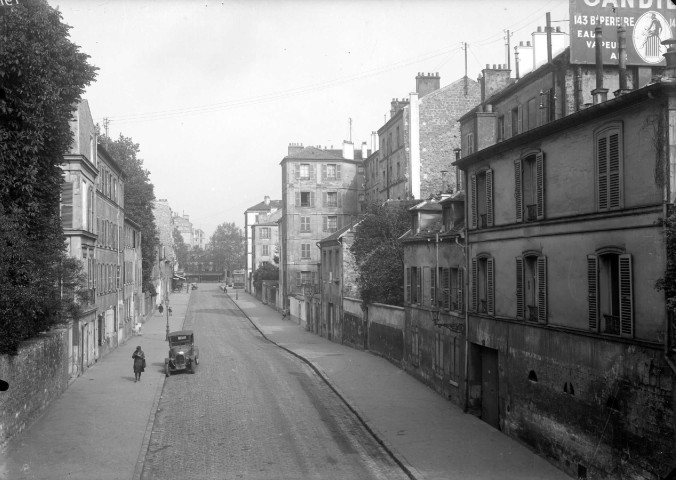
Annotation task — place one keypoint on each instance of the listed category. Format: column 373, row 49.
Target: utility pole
column 106, row 122
column 350, row 137
column 464, row 47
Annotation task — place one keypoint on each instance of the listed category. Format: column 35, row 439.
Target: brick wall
column 36, row 376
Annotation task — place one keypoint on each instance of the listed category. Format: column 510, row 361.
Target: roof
column 456, row 197
column 314, row 153
column 263, row 207
column 181, row 332
column 338, row 233
column 426, row 205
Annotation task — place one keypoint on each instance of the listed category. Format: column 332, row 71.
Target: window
column 331, row 199
column 609, row 163
column 501, row 128
column 483, row 285
column 609, row 278
column 532, row 114
column 331, row 171
column 304, row 171
column 438, row 354
column 414, row 285
column 305, row 250
column 470, row 143
column 482, row 199
column 265, row 250
column 330, row 223
column 451, row 289
column 360, row 170
column 455, row 361
column 517, row 120
column 306, row 278
column 265, row 232
column 531, row 288
column 67, row 204
column 545, row 101
column 362, row 197
column 305, row 199
column 529, row 188
column 305, row 224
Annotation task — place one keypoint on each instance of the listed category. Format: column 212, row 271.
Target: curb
column 399, row 459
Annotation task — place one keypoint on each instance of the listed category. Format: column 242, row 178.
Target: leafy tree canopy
column 42, row 78
column 267, row 271
column 380, row 255
column 227, row 244
column 180, row 248
column 139, row 194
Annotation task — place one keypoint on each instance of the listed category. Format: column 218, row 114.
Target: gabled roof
column 338, row 234
column 426, row 206
column 456, row 197
column 263, row 207
column 314, row 153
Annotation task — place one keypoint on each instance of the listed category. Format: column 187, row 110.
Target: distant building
column 185, row 228
column 132, row 275
column 78, row 207
column 199, row 239
column 321, row 193
column 251, row 216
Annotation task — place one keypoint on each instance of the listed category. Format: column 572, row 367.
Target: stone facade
column 251, row 216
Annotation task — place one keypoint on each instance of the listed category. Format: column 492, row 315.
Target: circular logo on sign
column 650, row 30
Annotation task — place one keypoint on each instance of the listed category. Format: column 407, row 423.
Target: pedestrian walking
column 139, row 363
column 160, row 309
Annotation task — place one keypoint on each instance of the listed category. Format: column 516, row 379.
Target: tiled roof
column 263, row 207
column 314, row 153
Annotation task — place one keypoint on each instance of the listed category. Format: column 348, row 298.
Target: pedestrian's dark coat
column 139, row 360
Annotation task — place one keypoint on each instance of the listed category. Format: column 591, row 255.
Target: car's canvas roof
column 181, row 332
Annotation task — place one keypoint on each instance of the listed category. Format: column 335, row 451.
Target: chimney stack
column 670, row 57
column 600, row 94
column 397, row 105
column 425, row 84
column 364, row 151
column 266, row 199
column 374, row 141
column 493, row 80
column 294, row 148
column 622, row 62
column 348, row 150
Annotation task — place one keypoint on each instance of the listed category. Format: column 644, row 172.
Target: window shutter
column 325, row 223
column 339, row 222
column 312, row 199
column 408, row 285
column 602, row 166
column 325, row 200
column 338, row 177
column 298, row 199
column 541, row 266
column 313, row 172
column 296, row 168
column 490, row 290
column 614, row 166
column 540, row 185
column 475, row 286
column 461, row 285
column 67, row 204
column 117, row 280
column 323, row 171
column 314, row 278
column 426, row 286
column 473, row 198
column 446, row 288
column 520, row 296
column 419, row 286
column 518, row 191
column 626, row 297
column 489, row 198
column 593, row 289
column 298, row 279
column 339, row 198
column 519, row 119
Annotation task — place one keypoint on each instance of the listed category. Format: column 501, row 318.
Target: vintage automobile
column 183, row 354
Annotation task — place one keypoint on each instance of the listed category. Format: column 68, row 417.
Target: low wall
column 353, row 324
column 37, row 375
column 386, row 331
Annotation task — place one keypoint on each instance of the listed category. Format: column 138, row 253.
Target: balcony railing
column 532, row 313
column 531, row 213
column 612, row 324
column 483, row 222
column 483, row 306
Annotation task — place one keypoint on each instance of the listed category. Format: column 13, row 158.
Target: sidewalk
column 105, row 398
column 431, row 437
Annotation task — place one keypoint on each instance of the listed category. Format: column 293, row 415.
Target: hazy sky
column 214, row 91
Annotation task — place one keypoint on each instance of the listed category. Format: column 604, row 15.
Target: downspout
column 465, row 252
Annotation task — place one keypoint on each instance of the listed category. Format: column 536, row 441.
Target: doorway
column 490, row 411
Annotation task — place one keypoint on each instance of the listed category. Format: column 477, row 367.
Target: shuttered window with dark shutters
column 67, row 204
column 609, row 166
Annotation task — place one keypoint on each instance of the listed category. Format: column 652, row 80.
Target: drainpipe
column 465, row 279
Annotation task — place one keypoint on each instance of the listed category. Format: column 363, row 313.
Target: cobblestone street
column 252, row 410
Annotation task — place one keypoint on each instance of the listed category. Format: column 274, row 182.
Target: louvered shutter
column 518, row 195
column 338, row 174
column 520, row 295
column 298, row 279
column 592, row 292
column 325, row 223
column 614, row 176
column 490, row 286
column 602, row 166
column 446, row 288
column 323, row 171
column 325, row 199
column 542, row 289
column 298, row 199
column 489, row 198
column 419, row 286
column 475, row 286
column 408, row 285
column 296, row 168
column 626, row 297
column 339, row 199
column 312, row 199
column 473, row 198
column 540, row 185
column 339, row 222
column 426, row 284
column 519, row 119
column 461, row 284
column 313, row 172
column 67, row 205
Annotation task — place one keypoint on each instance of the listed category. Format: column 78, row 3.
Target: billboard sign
column 647, row 23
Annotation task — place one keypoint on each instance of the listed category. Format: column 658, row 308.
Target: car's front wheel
column 167, row 370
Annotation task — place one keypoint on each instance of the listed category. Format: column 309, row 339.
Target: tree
column 227, row 245
column 380, row 255
column 266, row 271
column 139, row 194
column 42, row 78
column 180, row 248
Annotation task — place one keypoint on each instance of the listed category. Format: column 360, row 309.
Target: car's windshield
column 180, row 340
